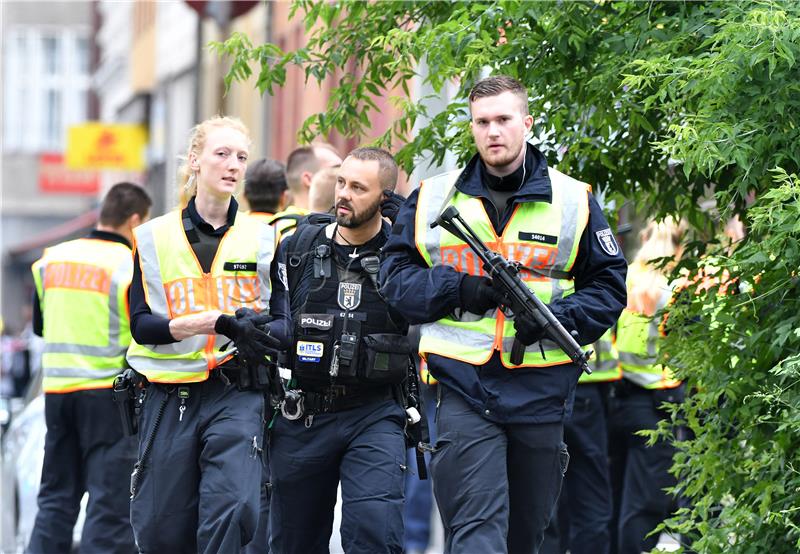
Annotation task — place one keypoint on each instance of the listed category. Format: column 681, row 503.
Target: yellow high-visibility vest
column 284, row 223
column 638, row 335
column 175, row 285
column 542, row 237
column 83, row 290
column 604, row 363
column 265, row 217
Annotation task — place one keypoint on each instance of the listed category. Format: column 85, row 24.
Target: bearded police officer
column 499, row 459
column 343, row 419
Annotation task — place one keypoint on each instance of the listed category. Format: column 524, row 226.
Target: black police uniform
column 348, row 356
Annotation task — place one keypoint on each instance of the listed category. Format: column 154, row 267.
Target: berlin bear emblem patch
column 349, row 296
column 607, row 242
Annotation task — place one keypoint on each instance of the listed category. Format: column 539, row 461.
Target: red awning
column 58, row 233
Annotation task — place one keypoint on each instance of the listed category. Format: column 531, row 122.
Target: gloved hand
column 391, row 204
column 259, row 319
column 478, row 295
column 528, row 330
column 250, row 335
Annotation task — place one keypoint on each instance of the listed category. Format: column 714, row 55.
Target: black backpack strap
column 279, row 217
column 298, row 250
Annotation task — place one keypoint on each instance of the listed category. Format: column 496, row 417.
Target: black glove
column 528, row 330
column 391, row 204
column 258, row 319
column 478, row 295
column 250, row 335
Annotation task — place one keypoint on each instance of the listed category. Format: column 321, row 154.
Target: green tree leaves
column 654, row 102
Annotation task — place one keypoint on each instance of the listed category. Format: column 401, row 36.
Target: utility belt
column 244, row 377
column 347, row 357
column 336, row 398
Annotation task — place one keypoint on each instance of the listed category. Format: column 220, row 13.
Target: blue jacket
column 423, row 294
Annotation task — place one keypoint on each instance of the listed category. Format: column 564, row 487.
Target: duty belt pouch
column 313, row 348
column 386, row 358
column 348, row 349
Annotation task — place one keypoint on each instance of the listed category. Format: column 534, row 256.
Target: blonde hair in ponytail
column 660, row 239
column 187, row 180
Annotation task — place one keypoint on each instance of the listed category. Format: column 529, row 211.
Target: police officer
column 499, row 456
column 265, row 188
column 640, row 472
column 585, row 506
column 195, row 487
column 266, row 192
column 301, row 166
column 343, row 421
column 80, row 309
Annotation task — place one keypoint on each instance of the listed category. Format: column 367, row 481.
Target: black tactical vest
column 343, row 332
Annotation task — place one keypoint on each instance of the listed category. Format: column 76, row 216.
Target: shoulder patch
column 607, row 242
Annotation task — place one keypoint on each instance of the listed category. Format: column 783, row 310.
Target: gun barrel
column 501, row 271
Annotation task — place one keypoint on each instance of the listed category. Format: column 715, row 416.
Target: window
column 53, row 128
column 45, row 85
column 82, row 55
column 52, row 54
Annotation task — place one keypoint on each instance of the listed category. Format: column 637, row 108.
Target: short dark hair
column 300, row 160
column 304, row 159
column 387, row 167
column 498, row 84
column 264, row 184
column 122, row 201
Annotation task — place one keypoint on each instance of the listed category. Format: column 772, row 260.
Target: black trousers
column 84, row 450
column 363, row 449
column 639, row 473
column 260, row 542
column 585, row 506
column 199, row 488
column 496, row 485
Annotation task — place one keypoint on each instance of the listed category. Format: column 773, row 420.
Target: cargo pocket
column 563, row 458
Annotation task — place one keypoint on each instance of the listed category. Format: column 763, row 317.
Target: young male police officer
column 499, row 458
column 81, row 310
column 301, row 166
column 265, row 188
column 349, row 355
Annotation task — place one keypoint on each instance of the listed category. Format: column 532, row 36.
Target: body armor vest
column 343, row 332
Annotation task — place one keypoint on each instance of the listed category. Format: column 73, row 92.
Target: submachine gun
column 505, row 276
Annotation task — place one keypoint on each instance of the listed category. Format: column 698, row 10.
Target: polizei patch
column 349, row 296
column 607, row 242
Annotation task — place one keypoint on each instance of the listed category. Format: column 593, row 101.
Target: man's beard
column 356, row 219
column 503, row 161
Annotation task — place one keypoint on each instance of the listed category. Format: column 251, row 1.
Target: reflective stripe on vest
column 82, row 286
column 637, row 344
column 175, row 286
column 604, row 363
column 552, row 245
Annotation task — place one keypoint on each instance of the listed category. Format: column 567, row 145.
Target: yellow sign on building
column 100, row 146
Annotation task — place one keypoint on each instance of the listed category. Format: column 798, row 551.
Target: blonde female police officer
column 196, row 484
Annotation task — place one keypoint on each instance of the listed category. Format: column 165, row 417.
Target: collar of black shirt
column 109, row 236
column 206, row 227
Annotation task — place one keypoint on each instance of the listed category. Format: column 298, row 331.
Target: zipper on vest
column 498, row 331
column 211, row 294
